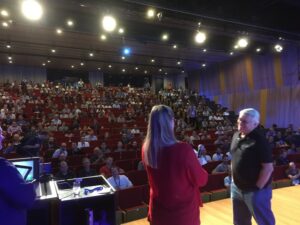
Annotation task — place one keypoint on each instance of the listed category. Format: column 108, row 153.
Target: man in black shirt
column 252, row 166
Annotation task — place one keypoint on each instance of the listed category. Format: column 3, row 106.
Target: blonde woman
column 174, row 173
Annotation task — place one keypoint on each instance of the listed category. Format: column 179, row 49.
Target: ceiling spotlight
column 59, row 31
column 8, row 46
column 203, row 65
column 236, row 47
column 109, row 23
column 121, row 30
column 99, row 68
column 53, row 50
column 166, row 73
column 123, row 58
column 204, row 50
column 200, row 37
column 126, row 51
column 160, row 70
column 48, row 61
column 165, row 37
column 174, row 46
column 182, row 71
column 70, row 23
column 72, row 66
column 231, row 53
column 32, row 10
column 136, row 68
column 4, row 24
column 258, row 49
column 178, row 63
column 243, row 43
column 9, row 58
column 81, row 64
column 199, row 24
column 44, row 64
column 91, row 54
column 150, row 13
column 103, row 37
column 123, row 70
column 4, row 13
column 145, row 72
column 10, row 62
column 109, row 66
column 152, row 60
column 278, row 48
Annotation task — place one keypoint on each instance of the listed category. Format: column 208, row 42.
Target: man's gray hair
column 253, row 113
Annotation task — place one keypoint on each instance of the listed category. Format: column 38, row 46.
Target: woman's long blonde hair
column 160, row 133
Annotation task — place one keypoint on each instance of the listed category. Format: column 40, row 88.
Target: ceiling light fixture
column 4, row 24
column 178, row 63
column 165, row 37
column 103, row 37
column 174, row 46
column 4, row 13
column 32, row 9
column 278, row 48
column 70, row 23
column 242, row 43
column 109, row 66
column 99, row 68
column 53, row 50
column 231, row 53
column 152, row 60
column 109, row 23
column 200, row 37
column 258, row 49
column 8, row 46
column 121, row 30
column 136, row 68
column 145, row 72
column 59, row 31
column 123, row 57
column 82, row 64
column 204, row 50
column 203, row 65
column 150, row 13
column 91, row 54
column 123, row 70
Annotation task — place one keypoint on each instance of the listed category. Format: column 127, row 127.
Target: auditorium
column 149, row 112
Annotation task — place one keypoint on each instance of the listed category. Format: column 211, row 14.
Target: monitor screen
column 27, row 167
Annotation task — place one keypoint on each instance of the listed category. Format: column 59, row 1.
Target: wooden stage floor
column 285, row 205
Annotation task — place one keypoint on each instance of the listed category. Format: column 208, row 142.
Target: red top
column 174, row 187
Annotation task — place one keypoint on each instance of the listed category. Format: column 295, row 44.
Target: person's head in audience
column 134, row 144
column 86, row 163
column 63, row 167
column 109, row 162
column 103, row 145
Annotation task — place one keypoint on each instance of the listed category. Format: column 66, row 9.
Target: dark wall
column 125, row 79
column 67, row 76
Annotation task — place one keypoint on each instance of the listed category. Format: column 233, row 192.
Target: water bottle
column 76, row 186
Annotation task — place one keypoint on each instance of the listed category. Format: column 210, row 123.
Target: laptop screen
column 27, row 167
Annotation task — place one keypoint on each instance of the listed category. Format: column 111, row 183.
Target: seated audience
column 222, row 167
column 202, row 156
column 98, row 156
column 61, row 151
column 218, row 156
column 86, row 170
column 293, row 173
column 228, row 179
column 64, row 172
column 118, row 181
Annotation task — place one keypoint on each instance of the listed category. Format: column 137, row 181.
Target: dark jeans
column 253, row 203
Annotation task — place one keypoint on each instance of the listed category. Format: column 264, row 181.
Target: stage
column 285, row 204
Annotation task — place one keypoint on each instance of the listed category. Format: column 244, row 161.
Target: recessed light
column 81, row 64
column 109, row 66
column 166, row 73
column 123, row 70
column 48, row 61
column 44, row 64
column 121, row 30
column 123, row 57
column 109, row 23
column 59, row 31
column 53, row 50
column 236, row 47
column 174, row 46
column 9, row 58
column 10, row 62
column 145, row 71
column 182, row 71
column 178, row 63
column 4, row 24
column 231, row 53
column 70, row 23
column 72, row 66
column 204, row 50
column 258, row 49
column 136, row 68
column 103, row 37
column 99, row 68
column 91, row 54
column 278, row 48
column 8, row 46
column 242, row 42
column 203, row 65
column 150, row 13
column 152, row 60
column 160, row 70
column 4, row 13
column 165, row 37
column 200, row 37
column 32, row 10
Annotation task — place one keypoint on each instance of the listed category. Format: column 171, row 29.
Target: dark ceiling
column 262, row 22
